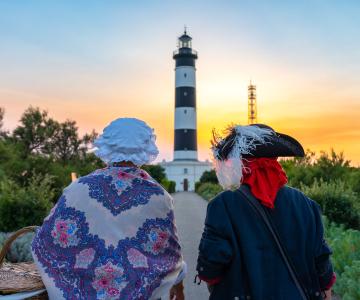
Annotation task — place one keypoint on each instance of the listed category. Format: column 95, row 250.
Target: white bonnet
column 127, row 139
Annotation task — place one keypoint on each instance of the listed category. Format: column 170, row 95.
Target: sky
column 94, row 61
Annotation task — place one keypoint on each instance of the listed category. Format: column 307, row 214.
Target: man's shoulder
column 221, row 196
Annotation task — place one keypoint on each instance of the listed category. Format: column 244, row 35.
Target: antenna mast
column 252, row 109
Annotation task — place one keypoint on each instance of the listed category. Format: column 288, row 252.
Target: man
column 262, row 240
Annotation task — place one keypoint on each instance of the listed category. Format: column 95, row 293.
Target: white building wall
column 192, row 171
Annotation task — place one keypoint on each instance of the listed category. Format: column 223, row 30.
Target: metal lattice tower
column 252, row 109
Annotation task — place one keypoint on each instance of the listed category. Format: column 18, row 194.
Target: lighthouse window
column 185, row 111
column 185, row 75
column 185, row 171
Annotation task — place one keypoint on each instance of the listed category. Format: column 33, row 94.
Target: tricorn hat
column 246, row 142
column 256, row 140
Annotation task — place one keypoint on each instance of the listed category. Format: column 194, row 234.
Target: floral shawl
column 110, row 236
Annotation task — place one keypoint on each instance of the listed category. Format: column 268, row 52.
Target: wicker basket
column 19, row 277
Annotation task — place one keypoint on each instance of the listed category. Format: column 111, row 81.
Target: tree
column 331, row 166
column 156, row 171
column 36, row 130
column 24, row 206
column 2, row 112
column 65, row 144
column 209, row 176
column 3, row 134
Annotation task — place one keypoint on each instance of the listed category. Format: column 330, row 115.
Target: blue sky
column 96, row 60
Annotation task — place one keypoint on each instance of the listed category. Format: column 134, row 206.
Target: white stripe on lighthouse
column 185, row 118
column 185, row 76
column 183, row 154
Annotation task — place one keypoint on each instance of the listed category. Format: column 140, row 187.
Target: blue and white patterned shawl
column 110, row 236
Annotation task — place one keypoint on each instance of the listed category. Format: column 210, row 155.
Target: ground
column 190, row 210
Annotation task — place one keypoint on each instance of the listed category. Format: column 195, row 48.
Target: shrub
column 348, row 285
column 155, row 171
column 168, row 185
column 24, row 206
column 209, row 176
column 346, row 258
column 209, row 190
column 20, row 249
column 344, row 243
column 337, row 201
column 197, row 185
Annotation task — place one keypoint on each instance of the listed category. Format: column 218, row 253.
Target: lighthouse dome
column 185, row 40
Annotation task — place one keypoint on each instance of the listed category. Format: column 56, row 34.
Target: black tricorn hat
column 274, row 144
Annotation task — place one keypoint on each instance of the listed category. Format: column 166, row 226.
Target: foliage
column 168, row 185
column 36, row 130
column 338, row 202
column 353, row 179
column 24, row 206
column 348, row 285
column 20, row 249
column 209, row 176
column 40, row 134
column 2, row 112
column 209, row 190
column 155, row 171
column 345, row 245
column 158, row 173
column 328, row 167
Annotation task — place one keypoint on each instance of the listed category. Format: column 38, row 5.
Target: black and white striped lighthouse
column 185, row 142
column 185, row 170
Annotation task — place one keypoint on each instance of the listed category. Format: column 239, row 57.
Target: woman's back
column 110, row 236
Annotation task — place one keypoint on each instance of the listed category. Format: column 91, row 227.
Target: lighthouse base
column 185, row 172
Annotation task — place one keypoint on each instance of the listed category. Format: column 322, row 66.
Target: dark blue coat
column 238, row 248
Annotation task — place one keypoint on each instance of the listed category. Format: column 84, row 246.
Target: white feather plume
column 230, row 171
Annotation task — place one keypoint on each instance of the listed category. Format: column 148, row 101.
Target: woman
column 112, row 233
column 272, row 250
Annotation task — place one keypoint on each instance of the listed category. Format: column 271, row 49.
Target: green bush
column 348, row 285
column 155, row 171
column 20, row 250
column 208, row 190
column 326, row 167
column 172, row 187
column 338, row 202
column 209, row 176
column 345, row 245
column 168, row 185
column 197, row 185
column 24, row 206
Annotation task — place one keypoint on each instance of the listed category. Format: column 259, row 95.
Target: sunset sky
column 94, row 61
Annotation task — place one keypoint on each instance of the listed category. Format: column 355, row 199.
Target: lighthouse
column 185, row 137
column 185, row 169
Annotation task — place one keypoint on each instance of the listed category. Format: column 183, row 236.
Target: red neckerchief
column 265, row 177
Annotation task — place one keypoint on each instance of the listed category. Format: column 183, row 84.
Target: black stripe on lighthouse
column 185, row 61
column 185, row 96
column 185, row 139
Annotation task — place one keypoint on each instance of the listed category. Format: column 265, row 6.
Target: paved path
column 190, row 210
